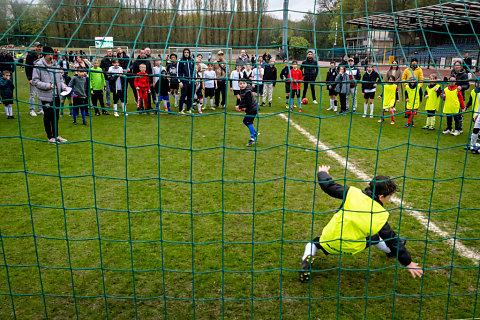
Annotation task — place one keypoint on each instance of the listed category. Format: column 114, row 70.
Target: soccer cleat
column 200, row 111
column 40, row 112
column 250, row 143
column 330, row 109
column 74, row 123
column 364, row 116
column 115, row 114
column 166, row 109
column 182, row 112
column 60, row 139
column 237, row 108
column 286, row 107
column 406, row 125
column 32, row 113
column 425, row 127
column 446, row 131
column 371, row 116
column 475, row 150
column 263, row 104
column 315, row 102
column 300, row 110
column 212, row 108
column 380, row 120
column 85, row 123
column 51, row 141
column 105, row 113
column 189, row 111
column 306, row 268
column 97, row 113
column 269, row 104
column 431, row 128
column 392, row 122
column 455, row 133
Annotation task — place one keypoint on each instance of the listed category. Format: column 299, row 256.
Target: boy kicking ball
column 360, row 222
column 248, row 101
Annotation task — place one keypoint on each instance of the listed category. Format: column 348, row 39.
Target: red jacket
column 296, row 77
column 460, row 96
column 142, row 80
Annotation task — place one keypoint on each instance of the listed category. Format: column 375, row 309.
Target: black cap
column 47, row 50
column 414, row 60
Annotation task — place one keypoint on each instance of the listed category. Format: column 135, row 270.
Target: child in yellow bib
column 413, row 97
column 433, row 94
column 390, row 97
column 361, row 221
column 452, row 106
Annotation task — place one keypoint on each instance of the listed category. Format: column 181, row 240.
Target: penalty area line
column 419, row 216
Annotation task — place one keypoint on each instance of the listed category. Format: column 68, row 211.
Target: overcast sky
column 298, row 5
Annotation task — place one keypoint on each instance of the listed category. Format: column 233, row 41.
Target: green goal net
column 163, row 214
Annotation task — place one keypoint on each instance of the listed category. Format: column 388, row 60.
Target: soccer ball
column 305, row 101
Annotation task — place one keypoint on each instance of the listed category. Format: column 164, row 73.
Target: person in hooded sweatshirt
column 249, row 104
column 475, row 103
column 6, row 93
column 186, row 76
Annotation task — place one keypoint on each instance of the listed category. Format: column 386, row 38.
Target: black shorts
column 7, row 101
column 209, row 92
column 287, row 87
column 199, row 93
column 369, row 95
column 174, row 85
column 249, row 119
column 258, row 89
column 332, row 92
column 236, row 92
column 295, row 92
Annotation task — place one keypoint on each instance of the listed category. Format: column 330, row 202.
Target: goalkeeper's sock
column 382, row 246
column 252, row 131
column 310, row 249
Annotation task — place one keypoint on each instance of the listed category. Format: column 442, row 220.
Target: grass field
column 173, row 217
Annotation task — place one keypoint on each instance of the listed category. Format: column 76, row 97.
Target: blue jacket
column 6, row 88
column 186, row 69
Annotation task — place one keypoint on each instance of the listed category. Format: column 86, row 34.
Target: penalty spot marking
column 454, row 243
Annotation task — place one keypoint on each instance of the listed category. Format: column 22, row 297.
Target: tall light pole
column 285, row 27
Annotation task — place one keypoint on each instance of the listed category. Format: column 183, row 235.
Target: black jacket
column 135, row 67
column 112, row 79
column 462, row 80
column 338, row 191
column 186, row 69
column 284, row 73
column 331, row 75
column 248, row 101
column 6, row 88
column 124, row 62
column 29, row 61
column 106, row 63
column 6, row 63
column 270, row 74
column 309, row 69
column 369, row 80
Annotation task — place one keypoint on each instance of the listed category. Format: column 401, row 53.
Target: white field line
column 459, row 246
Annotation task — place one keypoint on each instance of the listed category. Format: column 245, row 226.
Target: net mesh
column 168, row 216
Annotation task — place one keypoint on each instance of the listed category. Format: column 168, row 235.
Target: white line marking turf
column 457, row 244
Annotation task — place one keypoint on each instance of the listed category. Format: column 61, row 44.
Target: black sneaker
column 406, row 125
column 97, row 113
column 269, row 104
column 74, row 123
column 85, row 123
column 105, row 113
column 263, row 104
column 306, row 268
column 250, row 143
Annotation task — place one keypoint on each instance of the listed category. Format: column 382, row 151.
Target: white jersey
column 235, row 76
column 210, row 75
column 118, row 83
column 257, row 75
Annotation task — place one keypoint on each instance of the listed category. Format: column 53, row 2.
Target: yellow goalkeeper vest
column 413, row 97
column 451, row 104
column 389, row 95
column 474, row 95
column 433, row 100
column 348, row 229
